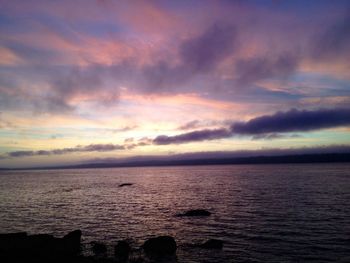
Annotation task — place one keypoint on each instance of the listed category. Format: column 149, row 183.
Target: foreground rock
column 72, row 241
column 160, row 246
column 43, row 248
column 125, row 184
column 99, row 248
column 122, row 251
column 19, row 246
column 212, row 244
column 195, row 212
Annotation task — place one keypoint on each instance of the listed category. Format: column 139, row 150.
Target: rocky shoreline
column 21, row 247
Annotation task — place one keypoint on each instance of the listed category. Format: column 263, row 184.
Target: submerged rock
column 122, row 251
column 212, row 244
column 160, row 246
column 98, row 248
column 195, row 212
column 125, row 184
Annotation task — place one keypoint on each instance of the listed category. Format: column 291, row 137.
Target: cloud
column 110, row 50
column 129, row 140
column 190, row 125
column 200, row 54
column 206, row 155
column 294, row 120
column 264, row 127
column 268, row 126
column 5, row 124
column 206, row 51
column 21, row 92
column 274, row 136
column 76, row 82
column 334, row 41
column 197, row 124
column 194, row 136
column 161, row 77
column 78, row 148
column 122, row 129
column 270, row 136
column 259, row 68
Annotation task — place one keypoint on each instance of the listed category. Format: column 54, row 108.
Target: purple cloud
column 203, row 53
column 334, row 41
column 78, row 148
column 194, row 136
column 294, row 120
column 258, row 68
column 268, row 126
column 264, row 127
column 190, row 125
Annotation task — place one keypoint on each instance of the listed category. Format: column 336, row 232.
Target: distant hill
column 302, row 158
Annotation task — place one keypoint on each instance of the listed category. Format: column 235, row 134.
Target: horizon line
column 305, row 158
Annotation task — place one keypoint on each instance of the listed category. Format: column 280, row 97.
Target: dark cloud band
column 293, row 121
column 266, row 126
column 194, row 136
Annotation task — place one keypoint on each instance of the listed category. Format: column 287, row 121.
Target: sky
column 99, row 80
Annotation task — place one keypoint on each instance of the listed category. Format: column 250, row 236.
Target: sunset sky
column 88, row 80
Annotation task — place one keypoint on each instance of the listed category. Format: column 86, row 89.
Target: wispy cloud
column 76, row 149
column 204, row 52
column 254, row 69
column 333, row 41
column 190, row 125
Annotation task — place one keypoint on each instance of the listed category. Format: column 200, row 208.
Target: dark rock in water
column 122, row 251
column 196, row 212
column 125, row 184
column 213, row 244
column 98, row 248
column 160, row 246
column 72, row 241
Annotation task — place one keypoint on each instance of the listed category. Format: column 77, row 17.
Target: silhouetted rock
column 72, row 241
column 20, row 247
column 125, row 184
column 98, row 248
column 122, row 251
column 12, row 237
column 212, row 244
column 196, row 212
column 42, row 244
column 160, row 246
column 13, row 241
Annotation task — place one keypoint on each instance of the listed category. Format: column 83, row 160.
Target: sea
column 262, row 213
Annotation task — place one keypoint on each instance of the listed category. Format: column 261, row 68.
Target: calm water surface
column 264, row 213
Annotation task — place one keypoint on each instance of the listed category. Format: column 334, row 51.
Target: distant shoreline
column 281, row 159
